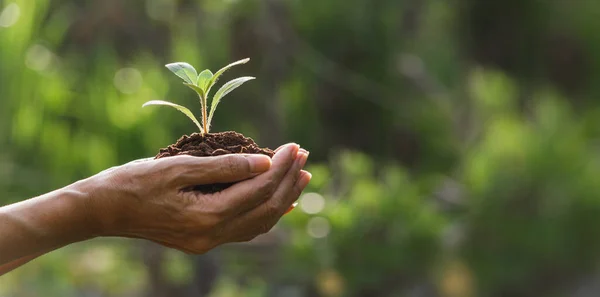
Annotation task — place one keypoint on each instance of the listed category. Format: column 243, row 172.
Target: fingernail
column 304, row 179
column 304, row 151
column 290, row 209
column 259, row 163
column 293, row 150
column 301, row 159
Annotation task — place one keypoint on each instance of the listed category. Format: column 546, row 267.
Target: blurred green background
column 454, row 144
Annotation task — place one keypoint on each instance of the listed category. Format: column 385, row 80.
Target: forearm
column 4, row 268
column 44, row 223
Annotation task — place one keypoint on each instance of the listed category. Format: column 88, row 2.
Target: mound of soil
column 213, row 144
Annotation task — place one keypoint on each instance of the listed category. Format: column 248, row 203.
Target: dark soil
column 213, row 144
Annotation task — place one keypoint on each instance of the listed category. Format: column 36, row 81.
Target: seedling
column 205, row 144
column 202, row 84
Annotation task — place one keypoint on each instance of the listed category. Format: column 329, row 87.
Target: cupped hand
column 148, row 199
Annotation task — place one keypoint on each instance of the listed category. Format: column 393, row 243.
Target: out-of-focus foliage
column 533, row 196
column 380, row 223
column 453, row 143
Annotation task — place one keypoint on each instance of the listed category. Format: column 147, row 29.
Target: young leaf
column 203, row 79
column 196, row 88
column 184, row 70
column 184, row 110
column 224, row 90
column 215, row 77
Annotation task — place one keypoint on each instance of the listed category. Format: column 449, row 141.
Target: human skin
column 149, row 199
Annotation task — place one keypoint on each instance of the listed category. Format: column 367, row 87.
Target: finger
column 190, row 171
column 248, row 194
column 279, row 148
column 302, row 182
column 262, row 218
column 272, row 210
column 282, row 195
column 300, row 185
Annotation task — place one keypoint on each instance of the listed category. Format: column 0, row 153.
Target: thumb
column 220, row 169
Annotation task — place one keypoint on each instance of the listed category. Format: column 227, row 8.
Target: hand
column 147, row 199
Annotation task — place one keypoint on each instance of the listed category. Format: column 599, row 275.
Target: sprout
column 202, row 84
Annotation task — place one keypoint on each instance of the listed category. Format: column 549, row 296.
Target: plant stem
column 204, row 121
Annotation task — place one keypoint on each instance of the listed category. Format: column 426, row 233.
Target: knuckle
column 175, row 162
column 187, row 159
column 271, row 210
column 265, row 228
column 219, row 214
column 231, row 166
column 296, row 177
column 213, row 220
column 271, row 185
column 272, row 214
column 219, row 211
column 296, row 190
column 274, row 211
column 267, row 189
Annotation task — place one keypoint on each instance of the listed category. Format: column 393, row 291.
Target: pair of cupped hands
column 148, row 198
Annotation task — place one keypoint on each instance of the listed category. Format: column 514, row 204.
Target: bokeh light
column 318, row 227
column 39, row 58
column 10, row 15
column 312, row 203
column 128, row 80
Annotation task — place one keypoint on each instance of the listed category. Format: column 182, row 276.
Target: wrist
column 75, row 204
column 93, row 196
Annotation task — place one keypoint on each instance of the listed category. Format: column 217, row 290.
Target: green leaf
column 215, row 77
column 224, row 90
column 184, row 110
column 203, row 79
column 184, row 70
column 195, row 88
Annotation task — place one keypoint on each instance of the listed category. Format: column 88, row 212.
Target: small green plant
column 202, row 84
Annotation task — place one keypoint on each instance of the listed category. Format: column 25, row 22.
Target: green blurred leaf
column 184, row 110
column 224, row 90
column 184, row 70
